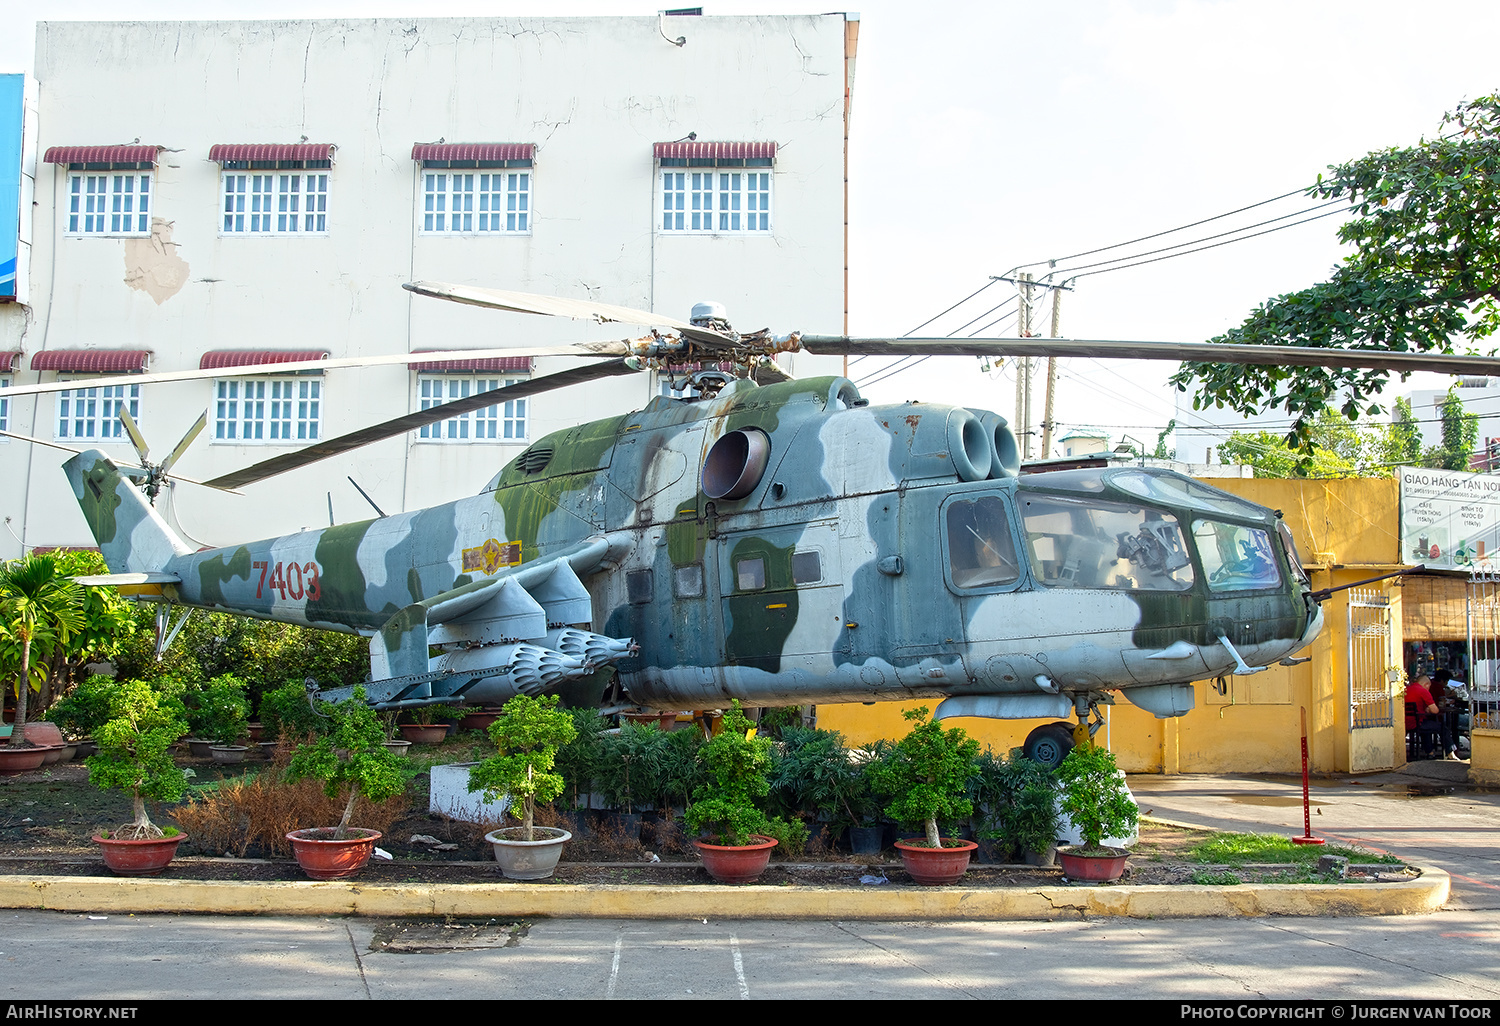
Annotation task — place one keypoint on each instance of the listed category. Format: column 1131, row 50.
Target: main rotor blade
column 131, row 472
column 547, row 306
column 270, row 369
column 1196, row 352
column 400, row 425
column 187, row 440
column 136, row 438
column 40, row 441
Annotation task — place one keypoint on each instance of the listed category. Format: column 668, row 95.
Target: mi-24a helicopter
column 782, row 543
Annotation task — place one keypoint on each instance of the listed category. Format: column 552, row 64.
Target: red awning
column 257, row 357
column 91, row 361
column 8, row 362
column 101, row 155
column 715, row 150
column 473, row 151
column 222, row 152
column 512, row 364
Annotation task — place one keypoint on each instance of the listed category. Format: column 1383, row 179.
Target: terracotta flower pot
column 20, row 760
column 1093, row 868
column 934, row 867
column 323, row 858
column 478, row 720
column 424, row 733
column 734, row 864
column 44, row 733
column 147, row 857
column 521, row 859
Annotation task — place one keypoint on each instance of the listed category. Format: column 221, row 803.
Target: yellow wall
column 1484, row 761
column 1255, row 725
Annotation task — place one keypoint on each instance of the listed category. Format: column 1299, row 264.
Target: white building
column 215, row 192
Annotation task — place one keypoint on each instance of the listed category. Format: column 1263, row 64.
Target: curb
column 601, row 901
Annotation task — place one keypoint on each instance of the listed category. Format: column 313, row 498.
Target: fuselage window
column 1235, row 558
column 807, row 568
column 981, row 553
column 751, row 574
column 639, row 586
column 687, row 581
column 1096, row 545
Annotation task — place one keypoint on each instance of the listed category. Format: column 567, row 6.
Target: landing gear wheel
column 1049, row 745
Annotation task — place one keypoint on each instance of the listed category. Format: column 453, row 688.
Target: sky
column 986, row 136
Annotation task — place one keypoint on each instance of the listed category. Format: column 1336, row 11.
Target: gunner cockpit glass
column 1235, row 558
column 1079, row 544
column 981, row 553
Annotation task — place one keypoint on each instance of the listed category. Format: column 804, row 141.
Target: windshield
column 980, row 551
column 1078, row 544
column 1235, row 558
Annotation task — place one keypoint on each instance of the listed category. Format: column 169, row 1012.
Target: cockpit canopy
column 1117, row 528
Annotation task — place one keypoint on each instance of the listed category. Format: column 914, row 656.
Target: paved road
column 1449, row 955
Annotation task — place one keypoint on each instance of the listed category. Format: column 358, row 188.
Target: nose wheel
column 1049, row 745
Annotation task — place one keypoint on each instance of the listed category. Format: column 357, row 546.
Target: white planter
column 450, row 796
column 528, row 860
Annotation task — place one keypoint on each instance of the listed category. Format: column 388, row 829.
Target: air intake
column 535, row 459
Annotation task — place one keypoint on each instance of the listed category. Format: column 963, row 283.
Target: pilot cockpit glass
column 1176, row 490
column 981, row 553
column 1235, row 558
column 1078, row 544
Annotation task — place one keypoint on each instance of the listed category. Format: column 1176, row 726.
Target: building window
column 503, row 422
column 717, row 202
column 468, row 202
column 275, row 202
column 268, row 410
column 93, row 413
column 4, row 405
column 715, row 187
column 109, row 203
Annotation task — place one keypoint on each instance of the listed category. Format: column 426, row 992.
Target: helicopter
column 777, row 543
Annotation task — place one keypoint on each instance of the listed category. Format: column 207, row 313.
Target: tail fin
column 131, row 535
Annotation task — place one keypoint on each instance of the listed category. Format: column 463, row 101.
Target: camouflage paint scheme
column 606, row 528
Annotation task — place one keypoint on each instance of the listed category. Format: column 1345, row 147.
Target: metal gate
column 1371, row 704
column 1484, row 649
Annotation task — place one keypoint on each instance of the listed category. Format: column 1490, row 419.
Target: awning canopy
column 9, row 362
column 473, row 153
column 501, row 364
column 91, row 361
column 217, row 358
column 715, row 151
column 258, row 152
column 1434, row 608
column 133, row 155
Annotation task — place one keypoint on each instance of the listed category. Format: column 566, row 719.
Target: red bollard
column 1307, row 837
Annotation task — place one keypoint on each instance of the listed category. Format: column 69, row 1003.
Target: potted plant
column 222, row 715
column 927, row 775
column 737, row 760
column 1016, row 800
column 352, row 761
column 812, row 776
column 424, row 728
column 579, row 762
column 527, row 734
column 1094, row 796
column 133, row 758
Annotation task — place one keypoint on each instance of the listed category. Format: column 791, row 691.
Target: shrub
column 528, row 735
column 927, row 774
column 287, row 710
column 133, row 755
column 221, row 712
column 1094, row 795
column 737, row 761
column 351, row 759
column 86, row 708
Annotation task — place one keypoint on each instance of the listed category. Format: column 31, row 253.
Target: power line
column 1147, row 238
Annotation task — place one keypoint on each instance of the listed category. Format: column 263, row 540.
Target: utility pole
column 1023, row 371
column 1051, row 375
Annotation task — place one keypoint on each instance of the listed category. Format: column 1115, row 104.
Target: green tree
column 738, row 760
column 1425, row 273
column 108, row 621
column 527, row 735
column 351, row 759
column 40, row 609
column 133, row 754
column 927, row 774
column 1460, row 432
column 1338, row 448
